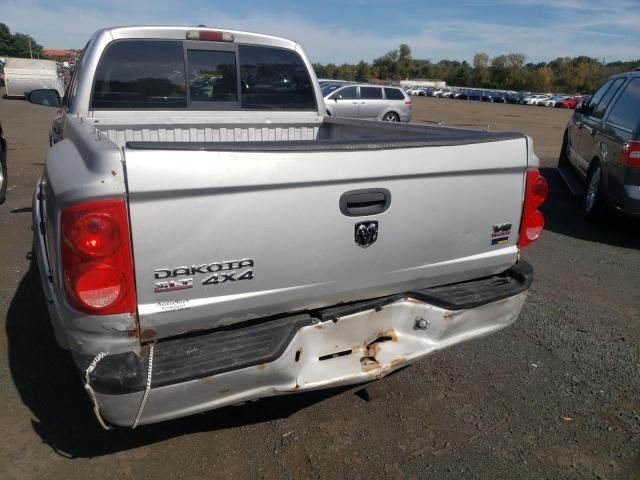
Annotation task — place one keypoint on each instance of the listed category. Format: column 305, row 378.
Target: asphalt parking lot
column 555, row 396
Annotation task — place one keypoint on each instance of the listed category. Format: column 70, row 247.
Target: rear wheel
column 594, row 205
column 390, row 117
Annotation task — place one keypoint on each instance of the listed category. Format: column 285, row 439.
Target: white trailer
column 21, row 75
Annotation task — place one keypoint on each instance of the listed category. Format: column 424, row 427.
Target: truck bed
column 327, row 133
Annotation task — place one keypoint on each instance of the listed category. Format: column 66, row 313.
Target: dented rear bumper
column 340, row 346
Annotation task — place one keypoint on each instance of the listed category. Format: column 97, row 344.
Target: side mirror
column 48, row 97
column 580, row 108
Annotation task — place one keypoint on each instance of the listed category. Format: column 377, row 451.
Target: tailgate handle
column 368, row 201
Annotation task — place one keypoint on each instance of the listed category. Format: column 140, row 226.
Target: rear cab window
column 147, row 74
column 213, row 76
column 274, row 78
column 175, row 74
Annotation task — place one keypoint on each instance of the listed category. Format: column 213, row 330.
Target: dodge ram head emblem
column 366, row 233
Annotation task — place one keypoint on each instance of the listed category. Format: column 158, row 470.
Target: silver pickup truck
column 206, row 235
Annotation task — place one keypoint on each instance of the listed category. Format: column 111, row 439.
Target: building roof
column 51, row 52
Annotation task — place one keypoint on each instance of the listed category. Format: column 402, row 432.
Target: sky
column 354, row 30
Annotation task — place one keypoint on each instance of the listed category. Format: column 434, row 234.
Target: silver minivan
column 374, row 102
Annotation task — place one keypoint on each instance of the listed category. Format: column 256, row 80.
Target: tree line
column 18, row 44
column 505, row 72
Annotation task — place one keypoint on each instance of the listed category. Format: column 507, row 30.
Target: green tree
column 345, row 72
column 6, row 39
column 362, row 71
column 405, row 61
column 542, row 80
column 18, row 45
column 481, row 69
column 321, row 70
column 386, row 66
column 507, row 71
column 571, row 75
column 330, row 70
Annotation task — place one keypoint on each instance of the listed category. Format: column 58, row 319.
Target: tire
column 563, row 159
column 390, row 117
column 594, row 205
column 4, row 180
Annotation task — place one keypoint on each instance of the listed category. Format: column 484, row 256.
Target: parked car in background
column 551, row 102
column 375, row 102
column 4, row 178
column 534, row 99
column 540, row 100
column 566, row 102
column 474, row 95
column 331, row 80
column 328, row 87
column 515, row 97
column 498, row 97
column 601, row 146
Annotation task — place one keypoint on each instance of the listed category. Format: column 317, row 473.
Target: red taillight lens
column 96, row 257
column 94, row 235
column 96, row 284
column 630, row 155
column 536, row 190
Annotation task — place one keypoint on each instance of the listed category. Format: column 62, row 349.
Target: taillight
column 532, row 223
column 96, row 257
column 208, row 35
column 407, row 102
column 630, row 154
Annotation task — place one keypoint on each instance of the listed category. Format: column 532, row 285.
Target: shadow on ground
column 6, row 97
column 563, row 215
column 49, row 385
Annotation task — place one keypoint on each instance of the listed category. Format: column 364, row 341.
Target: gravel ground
column 557, row 395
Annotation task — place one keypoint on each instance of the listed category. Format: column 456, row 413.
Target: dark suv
column 602, row 146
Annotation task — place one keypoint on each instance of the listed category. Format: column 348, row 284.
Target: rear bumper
column 340, row 346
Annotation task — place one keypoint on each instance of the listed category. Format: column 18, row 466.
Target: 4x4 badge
column 366, row 233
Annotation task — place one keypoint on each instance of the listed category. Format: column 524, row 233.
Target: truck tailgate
column 224, row 236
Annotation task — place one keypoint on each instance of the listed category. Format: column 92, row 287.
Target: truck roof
column 180, row 33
